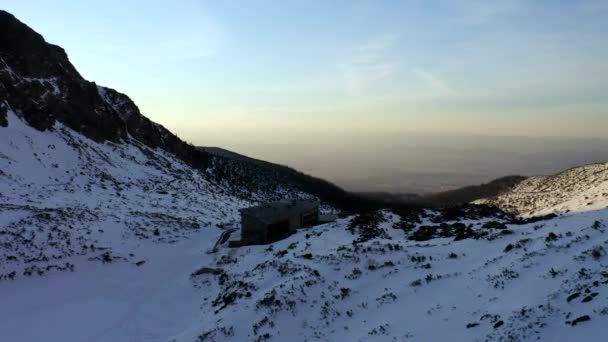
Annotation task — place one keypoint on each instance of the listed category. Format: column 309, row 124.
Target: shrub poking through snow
column 344, row 292
column 551, row 237
column 597, row 225
column 366, row 226
column 355, row 274
column 596, row 252
column 494, row 225
column 580, row 319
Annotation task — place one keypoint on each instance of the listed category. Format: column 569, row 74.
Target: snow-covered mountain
column 108, row 221
column 583, row 188
column 76, row 157
column 41, row 87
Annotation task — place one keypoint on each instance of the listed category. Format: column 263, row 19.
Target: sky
column 283, row 80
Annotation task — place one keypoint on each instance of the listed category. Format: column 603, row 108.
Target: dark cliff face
column 38, row 82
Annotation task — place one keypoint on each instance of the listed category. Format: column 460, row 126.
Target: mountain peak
column 28, row 54
column 39, row 83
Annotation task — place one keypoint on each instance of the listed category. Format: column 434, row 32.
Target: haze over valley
column 426, row 163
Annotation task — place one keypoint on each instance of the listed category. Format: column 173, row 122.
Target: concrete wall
column 295, row 218
column 294, row 221
column 252, row 230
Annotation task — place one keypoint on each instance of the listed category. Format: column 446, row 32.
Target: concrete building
column 273, row 221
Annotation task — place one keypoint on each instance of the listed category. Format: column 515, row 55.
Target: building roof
column 278, row 211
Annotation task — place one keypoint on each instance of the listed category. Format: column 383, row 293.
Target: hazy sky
column 252, row 74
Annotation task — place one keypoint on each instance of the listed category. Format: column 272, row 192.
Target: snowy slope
column 579, row 189
column 319, row 285
column 63, row 196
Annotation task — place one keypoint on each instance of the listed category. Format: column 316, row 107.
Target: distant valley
column 423, row 164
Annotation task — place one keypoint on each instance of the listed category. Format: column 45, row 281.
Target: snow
column 117, row 103
column 153, row 221
column 52, row 81
column 579, row 189
column 8, row 68
column 51, row 85
column 101, row 194
column 432, row 311
column 108, row 303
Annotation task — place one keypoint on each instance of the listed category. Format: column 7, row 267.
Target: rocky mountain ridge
column 38, row 82
column 583, row 188
column 40, row 85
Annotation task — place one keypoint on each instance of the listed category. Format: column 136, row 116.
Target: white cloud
column 379, row 43
column 482, row 11
column 369, row 63
column 434, row 82
column 193, row 39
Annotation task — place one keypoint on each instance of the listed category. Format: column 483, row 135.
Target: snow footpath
column 109, row 302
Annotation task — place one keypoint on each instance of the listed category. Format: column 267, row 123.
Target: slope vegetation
column 583, row 188
column 250, row 173
column 374, row 278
